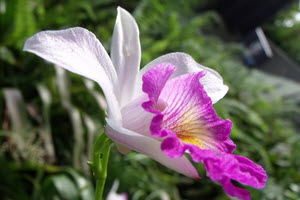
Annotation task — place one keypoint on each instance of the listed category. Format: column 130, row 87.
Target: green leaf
column 23, row 23
column 60, row 186
column 7, row 56
column 84, row 185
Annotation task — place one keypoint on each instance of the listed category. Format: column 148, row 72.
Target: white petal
column 135, row 118
column 113, row 195
column 126, row 54
column 150, row 147
column 79, row 51
column 212, row 81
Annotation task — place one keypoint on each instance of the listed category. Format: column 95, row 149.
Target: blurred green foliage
column 284, row 31
column 50, row 118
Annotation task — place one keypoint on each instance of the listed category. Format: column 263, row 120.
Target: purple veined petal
column 187, row 111
column 235, row 191
column 226, row 167
column 79, row 51
column 251, row 173
column 212, row 81
column 155, row 80
column 150, row 147
column 188, row 122
column 126, row 54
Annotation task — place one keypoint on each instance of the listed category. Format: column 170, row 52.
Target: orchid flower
column 163, row 111
column 113, row 195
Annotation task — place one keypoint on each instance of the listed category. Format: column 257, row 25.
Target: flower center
column 187, row 126
column 161, row 105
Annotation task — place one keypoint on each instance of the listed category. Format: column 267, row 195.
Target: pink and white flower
column 113, row 195
column 163, row 111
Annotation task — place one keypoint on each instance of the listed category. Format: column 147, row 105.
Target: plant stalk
column 99, row 189
column 100, row 162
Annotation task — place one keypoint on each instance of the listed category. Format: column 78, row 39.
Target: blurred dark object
column 257, row 48
column 244, row 16
column 261, row 53
column 281, row 65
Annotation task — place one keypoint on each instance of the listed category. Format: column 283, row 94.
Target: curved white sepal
column 126, row 54
column 79, row 51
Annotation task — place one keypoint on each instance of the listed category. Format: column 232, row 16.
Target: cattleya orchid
column 163, row 110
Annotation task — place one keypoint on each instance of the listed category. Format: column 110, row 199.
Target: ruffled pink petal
column 154, row 80
column 225, row 167
column 188, row 122
column 248, row 171
column 222, row 167
column 235, row 191
column 186, row 111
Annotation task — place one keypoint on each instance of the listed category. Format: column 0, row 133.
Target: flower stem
column 99, row 164
column 99, row 189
